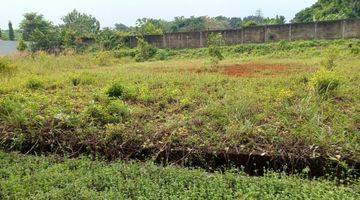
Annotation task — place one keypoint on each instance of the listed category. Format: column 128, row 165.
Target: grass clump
column 331, row 56
column 325, row 82
column 83, row 79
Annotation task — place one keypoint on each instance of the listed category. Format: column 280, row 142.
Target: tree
column 0, row 33
column 48, row 39
column 277, row 20
column 329, row 10
column 235, row 22
column 147, row 26
column 121, row 27
column 109, row 39
column 31, row 22
column 11, row 32
column 40, row 33
column 82, row 25
column 181, row 24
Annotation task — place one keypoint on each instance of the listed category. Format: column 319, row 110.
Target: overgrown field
column 29, row 177
column 270, row 100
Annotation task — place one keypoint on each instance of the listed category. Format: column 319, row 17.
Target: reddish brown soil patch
column 260, row 70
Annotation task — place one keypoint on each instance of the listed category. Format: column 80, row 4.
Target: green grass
column 30, row 177
column 62, row 104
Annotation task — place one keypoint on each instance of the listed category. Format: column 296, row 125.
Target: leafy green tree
column 250, row 23
column 31, row 22
column 259, row 19
column 109, row 39
column 40, row 33
column 146, row 26
column 0, row 33
column 181, row 24
column 11, row 32
column 277, row 20
column 329, row 10
column 121, row 27
column 82, row 25
column 47, row 39
column 235, row 22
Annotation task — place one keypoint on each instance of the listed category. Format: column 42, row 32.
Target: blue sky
column 109, row 12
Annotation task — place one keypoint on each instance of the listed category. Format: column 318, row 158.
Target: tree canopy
column 81, row 24
column 31, row 22
column 329, row 10
column 11, row 32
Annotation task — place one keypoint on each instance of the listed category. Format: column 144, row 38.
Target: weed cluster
column 24, row 177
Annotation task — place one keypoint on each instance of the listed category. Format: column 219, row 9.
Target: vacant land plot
column 262, row 100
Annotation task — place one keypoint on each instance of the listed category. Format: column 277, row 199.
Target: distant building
column 7, row 47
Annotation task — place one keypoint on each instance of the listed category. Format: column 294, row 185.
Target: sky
column 109, row 12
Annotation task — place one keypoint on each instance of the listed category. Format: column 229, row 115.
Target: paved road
column 7, row 47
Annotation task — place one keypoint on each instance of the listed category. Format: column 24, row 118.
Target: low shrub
column 83, row 79
column 75, row 81
column 117, row 111
column 22, row 46
column 103, row 58
column 34, row 84
column 121, row 53
column 96, row 112
column 144, row 51
column 215, row 42
column 162, row 54
column 102, row 113
column 116, row 90
column 6, row 65
column 325, row 82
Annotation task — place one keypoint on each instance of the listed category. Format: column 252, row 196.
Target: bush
column 325, row 82
column 116, row 90
column 120, row 53
column 97, row 113
column 144, row 51
column 162, row 55
column 117, row 111
column 103, row 58
column 215, row 42
column 35, row 84
column 83, row 79
column 114, row 112
column 75, row 81
column 22, row 46
column 6, row 65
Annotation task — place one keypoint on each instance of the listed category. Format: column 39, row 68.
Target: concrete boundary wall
column 258, row 34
